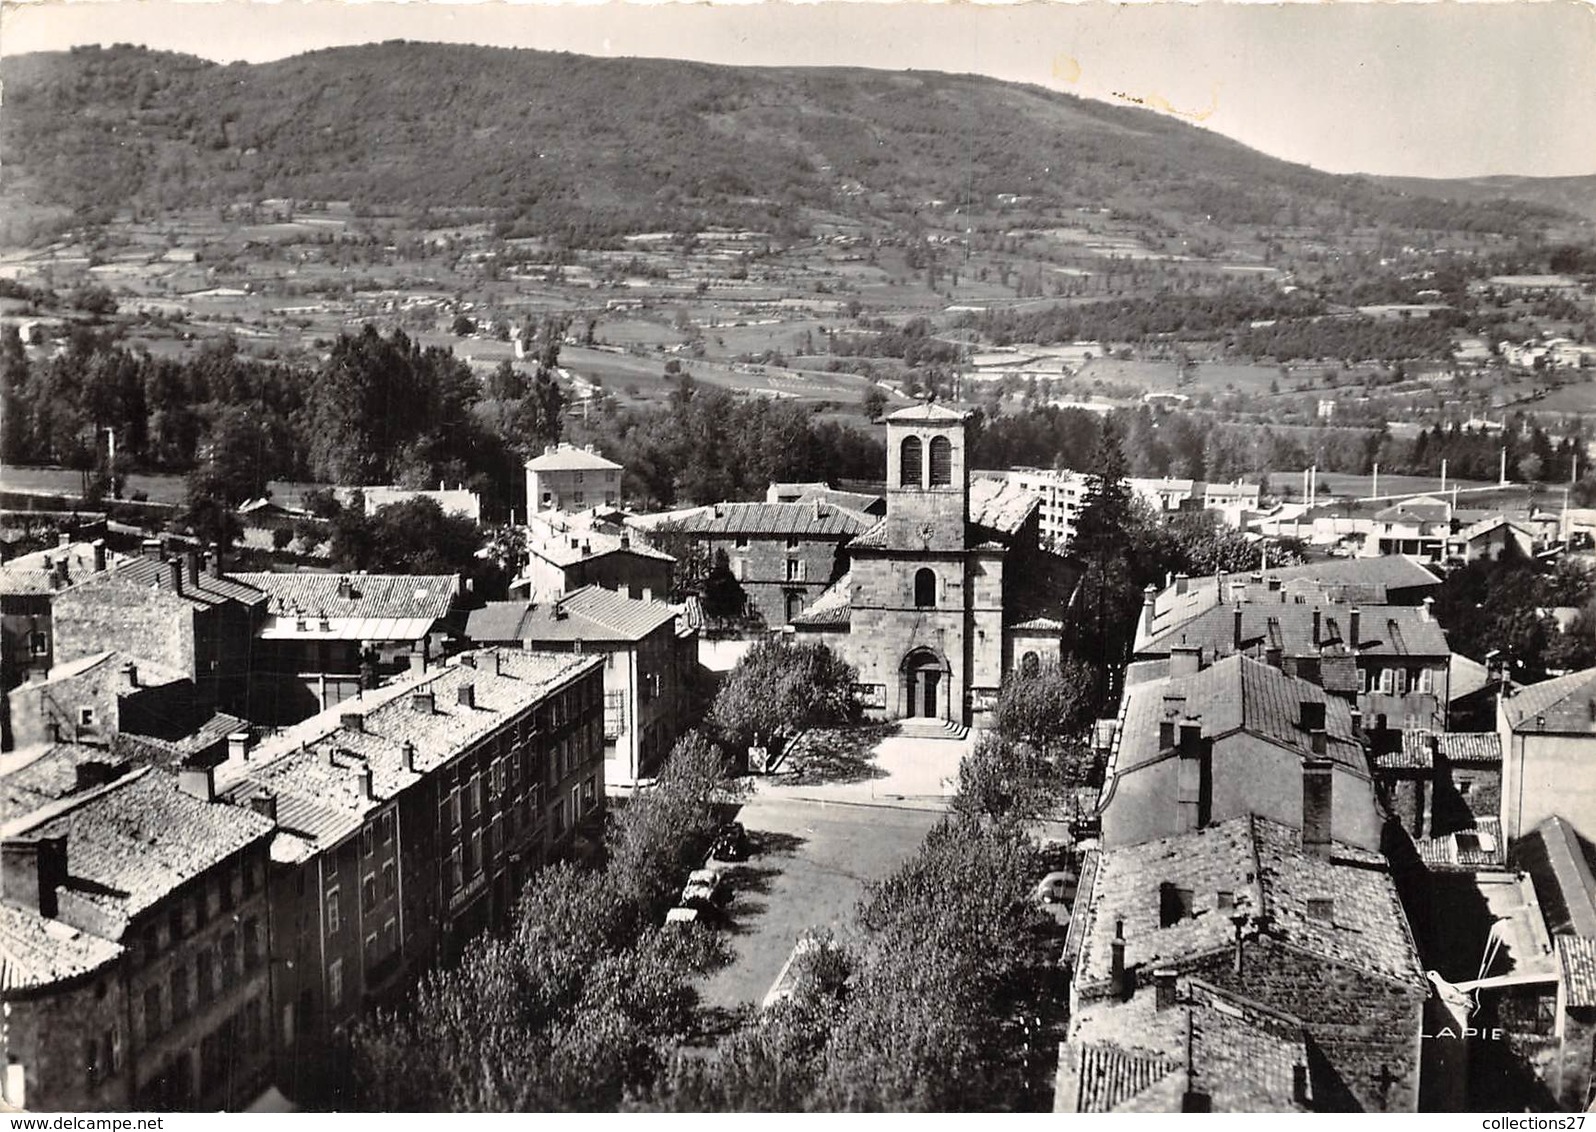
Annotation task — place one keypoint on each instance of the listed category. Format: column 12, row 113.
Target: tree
column 461, row 326
column 874, row 403
column 413, row 537
column 723, row 595
column 1050, row 709
column 780, row 690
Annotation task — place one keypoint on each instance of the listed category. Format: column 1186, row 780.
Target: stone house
column 784, row 555
column 564, row 554
column 133, row 925
column 649, row 665
column 1437, row 784
column 90, row 699
column 28, row 585
column 1307, row 929
column 1236, row 738
column 174, row 613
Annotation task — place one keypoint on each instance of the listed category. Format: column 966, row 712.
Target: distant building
column 456, row 501
column 649, row 660
column 568, row 478
column 783, row 554
column 1063, row 494
column 1304, row 943
column 567, row 552
column 868, row 503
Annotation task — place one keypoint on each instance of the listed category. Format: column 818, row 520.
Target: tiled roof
column 1577, row 957
column 1466, row 850
column 1416, row 753
column 504, row 682
column 1240, row 1053
column 426, row 596
column 1555, row 858
column 570, row 458
column 1565, row 705
column 873, row 539
column 37, row 573
column 36, row 952
column 214, row 730
column 832, row 609
column 203, row 591
column 132, row 842
column 930, row 412
column 1473, row 747
column 1236, row 694
column 30, row 780
column 1263, row 865
column 591, row 613
column 803, row 520
column 1425, row 508
column 824, row 493
column 1388, row 630
column 1001, row 505
column 107, row 667
column 567, row 544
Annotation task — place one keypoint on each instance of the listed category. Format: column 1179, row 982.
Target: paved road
column 811, row 862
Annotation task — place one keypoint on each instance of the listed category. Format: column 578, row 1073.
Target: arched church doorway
column 925, row 683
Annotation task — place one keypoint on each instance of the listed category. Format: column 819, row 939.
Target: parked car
column 705, row 891
column 731, row 843
column 1056, row 888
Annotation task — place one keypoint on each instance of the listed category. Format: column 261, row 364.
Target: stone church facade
column 943, row 593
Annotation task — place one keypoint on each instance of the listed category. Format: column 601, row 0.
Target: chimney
column 32, row 869
column 346, row 589
column 1352, row 627
column 1427, row 609
column 1274, row 657
column 1316, row 629
column 1185, row 660
column 367, row 788
column 648, row 593
column 626, row 540
column 1193, row 777
column 191, row 568
column 1299, row 1084
column 1118, row 984
column 128, row 678
column 1182, row 581
column 151, row 548
column 467, row 695
column 407, row 756
column 215, row 560
column 174, row 574
column 197, row 781
column 63, row 540
column 99, row 556
column 352, row 721
column 1149, row 600
column 264, row 804
column 1357, row 724
column 1274, row 585
column 469, row 659
column 1164, row 988
column 1317, row 799
column 1238, row 952
column 238, row 746
column 92, row 773
column 1235, row 635
column 421, row 703
column 1166, row 733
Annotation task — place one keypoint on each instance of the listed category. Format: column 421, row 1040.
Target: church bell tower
column 928, row 479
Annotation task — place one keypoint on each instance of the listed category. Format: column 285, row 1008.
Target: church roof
column 928, row 413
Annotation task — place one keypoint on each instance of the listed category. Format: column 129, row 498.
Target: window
column 1174, row 904
column 454, row 807
column 941, row 461
column 795, row 569
column 1030, row 664
column 205, row 968
column 741, row 543
column 368, row 892
column 476, row 852
column 178, row 988
column 792, row 543
column 254, row 944
column 1387, row 681
column 473, row 795
column 925, row 588
column 335, row 983
column 1426, row 680
column 38, row 643
column 86, row 717
column 387, row 827
column 334, row 912
column 740, row 569
column 229, row 959
column 368, row 840
column 390, row 880
column 589, row 794
column 390, row 936
column 614, row 714
column 909, row 463
column 251, row 878
column 456, row 869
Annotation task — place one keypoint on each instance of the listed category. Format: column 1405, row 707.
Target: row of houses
column 181, row 935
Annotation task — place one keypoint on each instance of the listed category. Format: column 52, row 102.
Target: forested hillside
column 588, row 148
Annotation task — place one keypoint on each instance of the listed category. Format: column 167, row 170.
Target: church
column 947, row 592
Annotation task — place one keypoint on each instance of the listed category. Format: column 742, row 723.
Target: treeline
column 1206, row 317
column 380, row 410
column 1348, row 338
column 707, row 445
column 913, row 342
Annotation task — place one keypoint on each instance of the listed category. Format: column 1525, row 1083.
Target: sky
column 1429, row 89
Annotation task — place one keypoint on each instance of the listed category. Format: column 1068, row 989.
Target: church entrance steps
column 915, row 727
